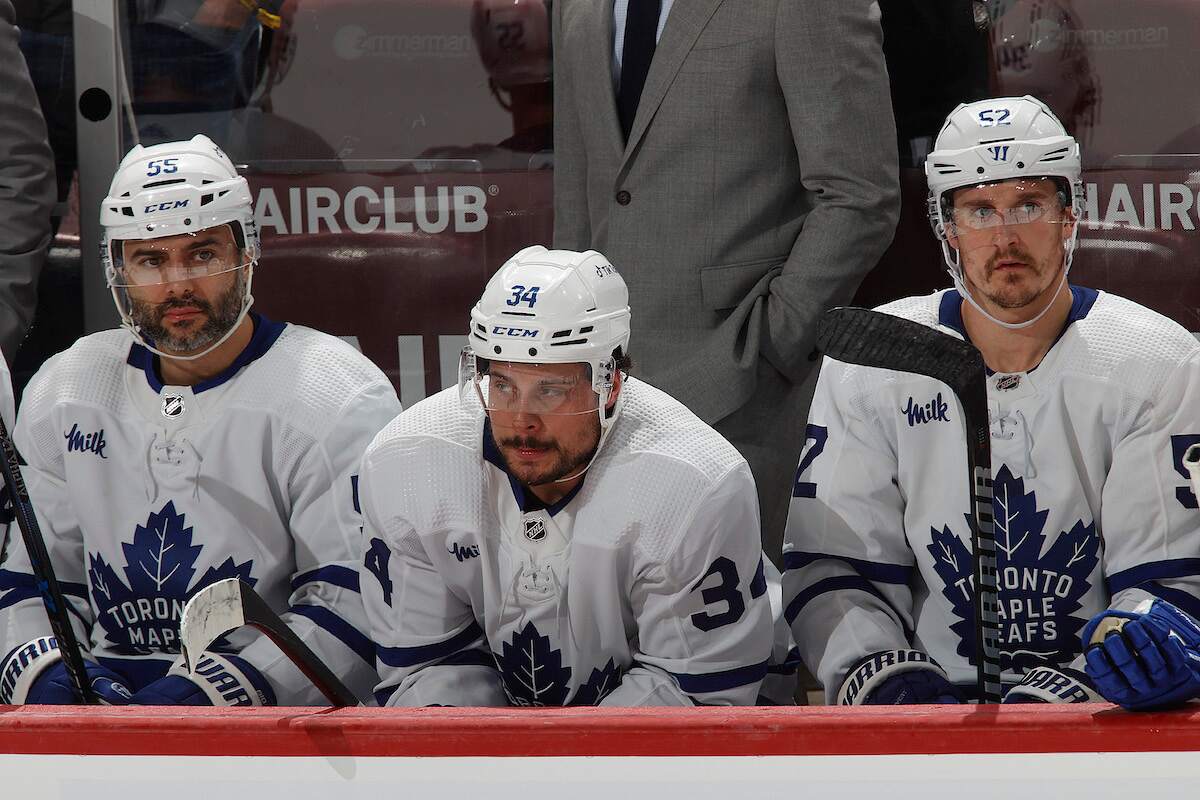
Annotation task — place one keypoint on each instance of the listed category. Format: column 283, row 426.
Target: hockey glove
column 220, row 680
column 1049, row 685
column 1145, row 659
column 897, row 677
column 35, row 673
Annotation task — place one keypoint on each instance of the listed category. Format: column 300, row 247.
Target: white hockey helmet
column 1002, row 139
column 552, row 307
column 172, row 189
column 513, row 40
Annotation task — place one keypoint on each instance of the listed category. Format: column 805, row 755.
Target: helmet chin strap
column 954, row 267
column 606, row 426
column 248, row 300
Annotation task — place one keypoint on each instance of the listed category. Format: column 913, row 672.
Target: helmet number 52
column 522, row 295
column 994, row 116
column 162, row 165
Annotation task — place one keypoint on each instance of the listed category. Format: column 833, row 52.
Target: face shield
column 1009, row 223
column 507, row 390
column 174, row 257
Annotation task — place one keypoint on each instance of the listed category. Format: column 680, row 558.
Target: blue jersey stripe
column 720, row 681
column 411, row 656
column 334, row 574
column 346, row 633
column 872, row 570
column 1152, row 571
column 1176, row 597
column 837, row 584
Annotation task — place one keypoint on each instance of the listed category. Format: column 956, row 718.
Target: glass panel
column 398, row 152
column 1118, row 75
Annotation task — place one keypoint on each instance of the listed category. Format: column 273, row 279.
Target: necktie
column 641, row 27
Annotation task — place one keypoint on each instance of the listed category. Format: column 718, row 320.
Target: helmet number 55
column 162, row 166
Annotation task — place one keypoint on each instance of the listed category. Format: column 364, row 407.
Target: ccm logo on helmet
column 523, row 333
column 150, row 209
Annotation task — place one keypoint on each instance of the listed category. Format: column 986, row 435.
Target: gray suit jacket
column 27, row 189
column 758, row 186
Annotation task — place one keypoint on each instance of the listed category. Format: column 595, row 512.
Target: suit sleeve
column 829, row 59
column 572, row 230
column 847, row 564
column 1149, row 512
column 325, row 607
column 27, row 189
column 429, row 648
column 704, row 626
column 22, row 615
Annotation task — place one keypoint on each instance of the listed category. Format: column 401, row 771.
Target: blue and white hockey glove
column 1051, row 685
column 1145, row 659
column 35, row 673
column 220, row 680
column 897, row 677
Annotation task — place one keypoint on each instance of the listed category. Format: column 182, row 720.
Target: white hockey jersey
column 1091, row 501
column 146, row 493
column 644, row 587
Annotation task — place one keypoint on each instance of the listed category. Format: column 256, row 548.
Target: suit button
column 623, row 198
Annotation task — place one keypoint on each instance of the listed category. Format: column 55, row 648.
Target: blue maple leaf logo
column 532, row 670
column 141, row 613
column 598, row 685
column 1040, row 587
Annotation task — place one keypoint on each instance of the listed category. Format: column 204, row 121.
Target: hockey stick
column 43, row 570
column 874, row 339
column 231, row 603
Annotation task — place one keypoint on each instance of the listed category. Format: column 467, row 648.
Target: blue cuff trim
column 837, row 584
column 333, row 574
column 19, row 586
column 1182, row 600
column 346, row 633
column 411, row 656
column 871, row 570
column 720, row 681
column 1153, row 571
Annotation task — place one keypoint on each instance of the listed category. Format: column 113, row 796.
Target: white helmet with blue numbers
column 992, row 141
column 551, row 307
column 169, row 190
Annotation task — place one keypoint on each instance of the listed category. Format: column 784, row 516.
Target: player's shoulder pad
column 918, row 308
column 311, row 379
column 90, row 371
column 656, row 432
column 658, row 468
column 435, row 442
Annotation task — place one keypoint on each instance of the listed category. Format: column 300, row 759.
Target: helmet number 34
column 522, row 295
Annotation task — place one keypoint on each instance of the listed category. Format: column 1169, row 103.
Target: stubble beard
column 1016, row 291
column 567, row 462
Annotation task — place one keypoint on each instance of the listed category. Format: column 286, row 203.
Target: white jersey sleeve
column 430, row 650
column 1149, row 511
column 847, row 565
column 325, row 608
column 703, row 616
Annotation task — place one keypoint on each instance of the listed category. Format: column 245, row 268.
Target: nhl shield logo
column 172, row 405
column 535, row 529
column 1007, row 383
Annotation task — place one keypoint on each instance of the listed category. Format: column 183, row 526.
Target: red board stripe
column 434, row 732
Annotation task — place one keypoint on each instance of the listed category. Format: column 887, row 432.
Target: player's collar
column 266, row 331
column 526, row 500
column 950, row 310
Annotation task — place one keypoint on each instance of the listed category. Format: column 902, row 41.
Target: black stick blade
column 875, row 339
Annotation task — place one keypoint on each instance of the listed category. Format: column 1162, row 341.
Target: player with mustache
column 1093, row 401
column 556, row 532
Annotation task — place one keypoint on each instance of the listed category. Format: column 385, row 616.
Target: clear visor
column 505, row 387
column 1010, row 219
column 179, row 257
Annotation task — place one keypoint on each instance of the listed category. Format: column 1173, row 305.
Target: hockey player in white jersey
column 200, row 441
column 1093, row 401
column 575, row 537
